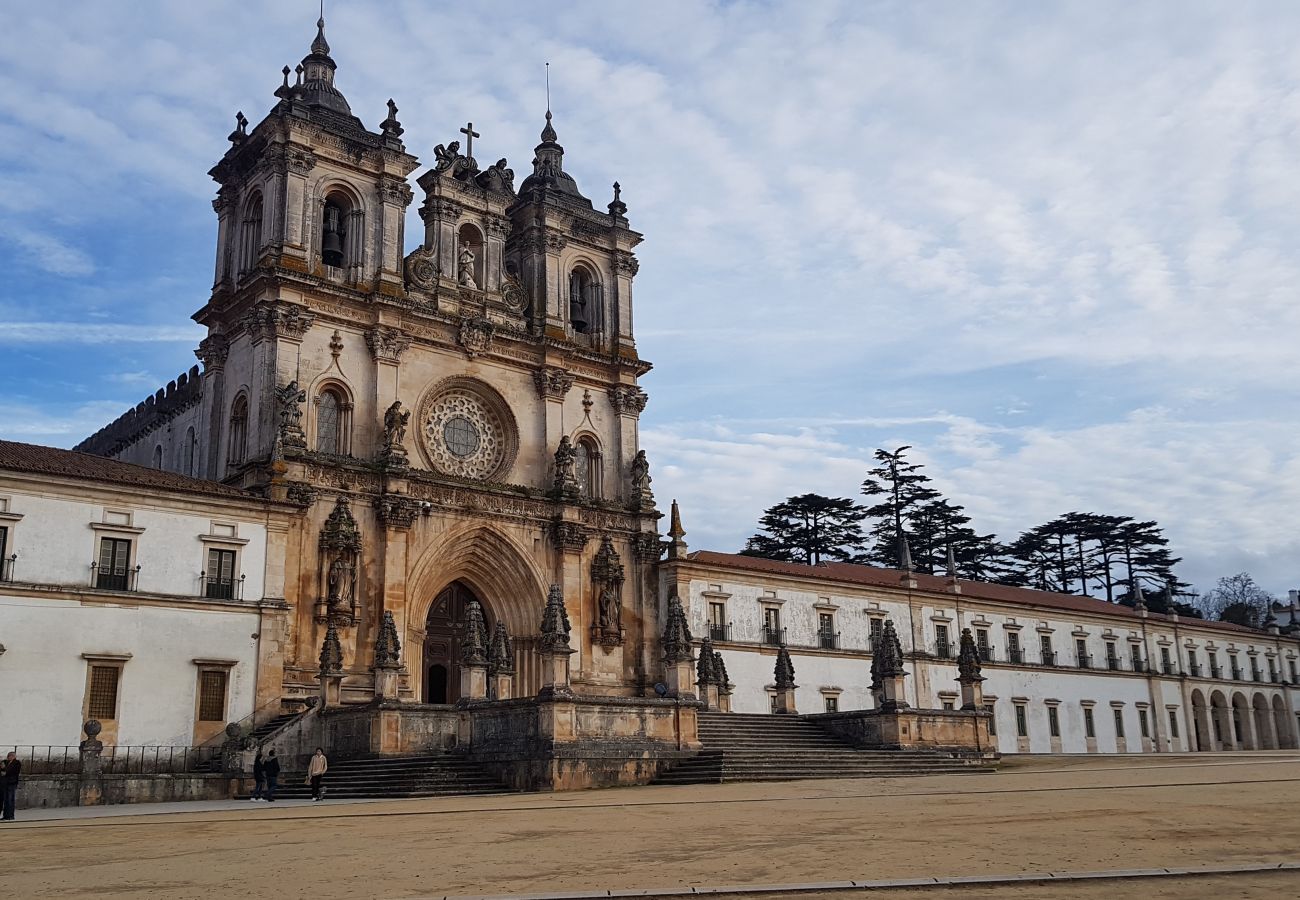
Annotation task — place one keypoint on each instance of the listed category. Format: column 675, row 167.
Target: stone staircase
column 396, row 777
column 271, row 726
column 743, row 747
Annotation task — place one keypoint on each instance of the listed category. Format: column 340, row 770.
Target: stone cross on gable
column 470, row 134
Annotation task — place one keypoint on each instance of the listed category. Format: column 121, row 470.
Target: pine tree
column 808, row 529
column 903, row 490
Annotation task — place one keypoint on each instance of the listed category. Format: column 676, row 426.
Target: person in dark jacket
column 271, row 768
column 259, row 778
column 9, row 774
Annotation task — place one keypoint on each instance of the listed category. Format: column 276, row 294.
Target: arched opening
column 187, row 458
column 470, row 257
column 587, row 467
column 238, row 431
column 1263, row 722
column 333, row 422
column 250, row 234
column 1221, row 722
column 1242, row 727
column 444, row 630
column 158, row 456
column 333, row 241
column 1286, row 736
column 584, row 301
column 1201, row 723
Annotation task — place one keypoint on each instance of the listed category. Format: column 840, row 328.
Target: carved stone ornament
column 607, row 582
column 474, row 646
column 569, row 536
column 289, row 399
column 276, row 320
column 499, row 226
column 395, row 190
column 340, row 550
column 475, row 335
column 647, row 546
column 301, row 494
column 452, row 164
column 552, row 382
column 387, row 344
column 641, row 496
column 501, row 655
column 565, row 480
column 466, row 430
column 388, row 648
column 555, row 242
column 720, row 670
column 784, row 669
column 704, row 666
column 555, row 623
column 392, row 452
column 627, row 263
column 497, row 177
column 299, row 160
column 890, row 652
column 968, row 659
column 331, row 652
column 212, row 351
column 677, row 633
column 421, row 269
column 627, row 399
column 396, row 511
column 513, row 294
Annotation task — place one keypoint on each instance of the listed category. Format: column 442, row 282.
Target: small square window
column 832, row 704
column 948, row 705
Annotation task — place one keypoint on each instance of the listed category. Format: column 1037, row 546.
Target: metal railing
column 719, row 632
column 986, row 653
column 1167, row 667
column 773, row 636
column 828, row 640
column 1195, row 670
column 215, row 588
column 1015, row 655
column 1048, row 657
column 116, row 578
column 1236, row 673
column 943, row 650
column 1139, row 665
column 1113, row 663
column 7, row 567
column 1216, row 671
column 1085, row 661
column 131, row 759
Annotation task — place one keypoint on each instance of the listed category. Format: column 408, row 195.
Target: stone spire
column 548, row 167
column 318, row 68
column 388, row 649
column 555, row 622
column 474, row 647
column 877, row 682
column 331, row 652
column 890, row 652
column 501, row 658
column 705, row 674
column 968, row 658
column 784, row 671
column 1139, row 599
column 720, row 670
column 954, row 586
column 676, row 546
column 677, row 634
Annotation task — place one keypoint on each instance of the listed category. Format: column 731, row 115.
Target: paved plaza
column 1038, row 815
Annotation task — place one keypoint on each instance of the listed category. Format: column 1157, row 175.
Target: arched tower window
column 332, row 422
column 584, row 301
column 158, row 456
column 238, row 431
column 187, row 455
column 341, row 232
column 470, row 257
column 250, row 235
column 587, row 467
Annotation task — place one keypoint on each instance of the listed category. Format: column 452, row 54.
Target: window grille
column 212, row 695
column 103, row 692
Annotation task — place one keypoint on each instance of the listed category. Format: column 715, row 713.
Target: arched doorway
column 1221, row 720
column 1200, row 723
column 1286, row 737
column 444, row 629
column 1243, row 730
column 1264, row 739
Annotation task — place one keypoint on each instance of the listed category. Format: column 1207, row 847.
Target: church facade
column 429, row 464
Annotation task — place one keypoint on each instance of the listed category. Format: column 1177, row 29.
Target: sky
column 1052, row 247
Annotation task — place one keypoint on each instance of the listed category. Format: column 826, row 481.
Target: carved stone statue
column 566, row 481
column 341, row 579
column 607, row 576
column 498, row 177
column 465, row 268
column 395, row 421
column 289, row 399
column 642, row 497
column 446, row 156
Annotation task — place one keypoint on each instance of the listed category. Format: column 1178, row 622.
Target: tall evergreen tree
column 903, row 489
column 808, row 529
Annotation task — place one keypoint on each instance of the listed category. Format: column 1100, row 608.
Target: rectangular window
column 103, row 693
column 942, row 649
column 1166, row 663
column 1112, row 655
column 1142, row 723
column 1022, row 720
column 1173, row 723
column 1013, row 646
column 875, row 627
column 1272, row 669
column 1235, row 666
column 112, row 570
column 993, row 720
column 220, row 581
column 1214, row 664
column 982, row 644
column 718, row 621
column 1135, row 654
column 771, row 702
column 1089, row 724
column 1192, row 663
column 1119, row 722
column 826, row 630
column 1292, row 666
column 1045, row 648
column 832, row 704
column 212, row 695
column 6, row 568
column 1254, row 668
column 1054, row 721
column 772, row 625
column 1081, row 652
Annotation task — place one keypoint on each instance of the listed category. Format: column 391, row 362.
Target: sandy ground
column 1036, row 815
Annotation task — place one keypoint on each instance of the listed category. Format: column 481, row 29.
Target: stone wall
column 47, row 791
column 958, row 731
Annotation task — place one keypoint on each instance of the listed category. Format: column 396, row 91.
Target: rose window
column 464, row 435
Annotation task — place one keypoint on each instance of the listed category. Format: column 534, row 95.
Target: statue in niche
column 342, row 584
column 607, row 576
column 566, row 481
column 465, row 268
column 640, row 473
column 289, row 399
column 610, row 611
column 395, row 421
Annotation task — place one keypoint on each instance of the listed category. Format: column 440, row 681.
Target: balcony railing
column 1085, row 661
column 1195, row 670
column 986, row 654
column 1048, row 657
column 1255, row 675
column 1015, row 655
column 1236, row 673
column 7, row 567
column 1216, row 671
column 1273, row 677
column 223, row 588
column 1139, row 665
column 1167, row 667
column 773, row 636
column 828, row 640
column 1113, row 663
column 943, row 650
column 116, row 578
column 719, row 632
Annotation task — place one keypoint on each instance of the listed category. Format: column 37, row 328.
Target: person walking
column 259, row 778
column 9, row 774
column 316, row 773
column 271, row 770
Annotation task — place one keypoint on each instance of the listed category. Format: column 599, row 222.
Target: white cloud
column 95, row 333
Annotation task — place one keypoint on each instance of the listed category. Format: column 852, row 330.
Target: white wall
column 43, row 674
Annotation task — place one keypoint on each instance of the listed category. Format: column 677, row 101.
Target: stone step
column 399, row 776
